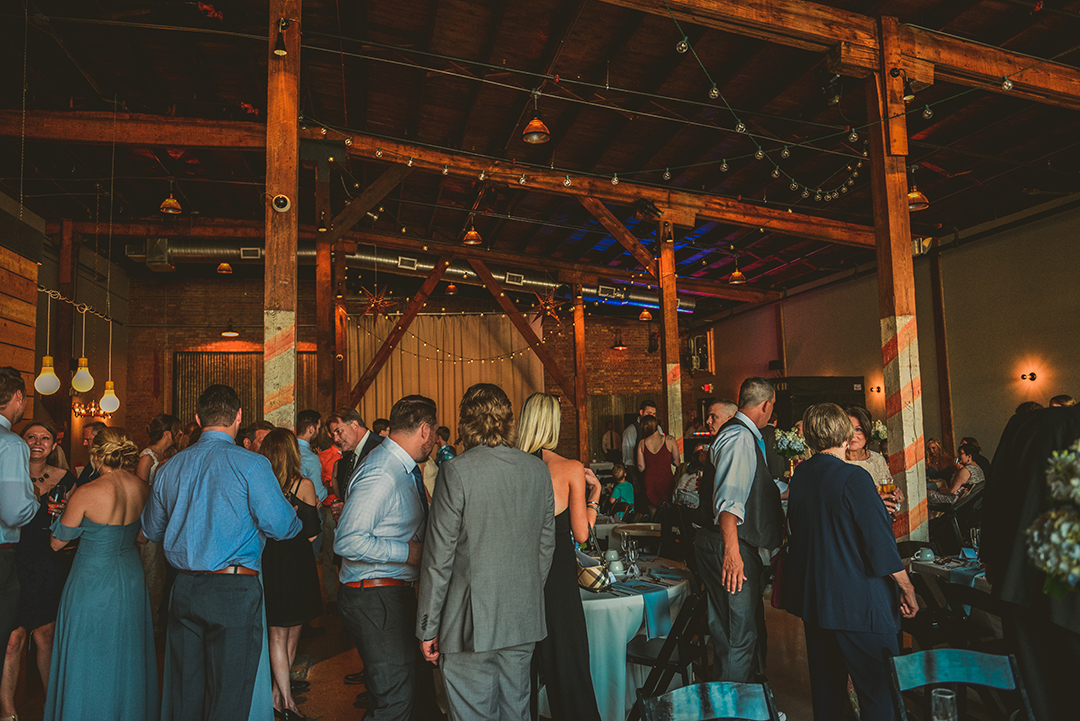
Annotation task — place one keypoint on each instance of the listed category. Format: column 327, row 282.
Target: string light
column 927, row 113
column 1006, row 84
column 667, row 174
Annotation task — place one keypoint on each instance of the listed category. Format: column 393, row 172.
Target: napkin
column 657, row 607
column 965, row 576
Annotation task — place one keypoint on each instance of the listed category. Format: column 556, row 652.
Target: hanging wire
column 108, row 250
column 22, row 130
column 80, row 307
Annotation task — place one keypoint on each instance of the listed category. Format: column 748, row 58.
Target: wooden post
column 383, row 354
column 896, row 286
column 581, row 395
column 341, row 342
column 669, row 335
column 324, row 292
column 941, row 344
column 282, row 229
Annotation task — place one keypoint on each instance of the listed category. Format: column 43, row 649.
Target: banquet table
column 952, row 570
column 613, row 620
column 640, row 530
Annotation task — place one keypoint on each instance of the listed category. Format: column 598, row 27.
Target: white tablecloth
column 612, row 621
column 925, row 568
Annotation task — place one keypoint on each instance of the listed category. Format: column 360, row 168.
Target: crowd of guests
column 214, row 534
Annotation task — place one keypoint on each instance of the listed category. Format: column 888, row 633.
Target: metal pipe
column 419, row 265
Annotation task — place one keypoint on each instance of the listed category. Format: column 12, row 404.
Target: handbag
column 592, row 578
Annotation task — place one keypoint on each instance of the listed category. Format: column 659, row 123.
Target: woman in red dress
column 657, row 454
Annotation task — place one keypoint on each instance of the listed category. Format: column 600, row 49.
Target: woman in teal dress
column 103, row 664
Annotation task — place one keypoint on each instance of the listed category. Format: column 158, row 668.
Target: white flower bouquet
column 879, row 432
column 789, row 443
column 1053, row 540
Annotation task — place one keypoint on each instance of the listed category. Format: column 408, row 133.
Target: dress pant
column 833, row 656
column 488, row 685
column 9, row 594
column 736, row 620
column 215, row 639
column 381, row 622
column 326, row 556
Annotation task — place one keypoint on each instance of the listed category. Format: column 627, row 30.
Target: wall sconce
column 874, row 389
column 279, row 46
column 1028, row 376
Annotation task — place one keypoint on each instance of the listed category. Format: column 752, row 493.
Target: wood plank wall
column 18, row 318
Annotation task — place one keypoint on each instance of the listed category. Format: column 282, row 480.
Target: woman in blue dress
column 103, row 664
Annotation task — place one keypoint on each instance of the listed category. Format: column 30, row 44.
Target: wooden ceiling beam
column 924, row 54
column 619, row 231
column 679, row 207
column 354, row 211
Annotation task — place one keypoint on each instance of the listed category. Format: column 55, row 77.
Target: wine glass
column 976, row 536
column 632, row 556
column 943, row 705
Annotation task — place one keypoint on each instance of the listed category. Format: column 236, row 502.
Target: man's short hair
column 408, row 414
column 95, row 427
column 217, row 406
column 755, row 391
column 11, row 382
column 486, row 417
column 346, row 415
column 618, row 471
column 647, row 404
column 247, row 433
column 730, row 407
column 444, row 433
column 825, row 426
column 305, row 420
column 1063, row 400
column 1028, row 407
column 381, row 424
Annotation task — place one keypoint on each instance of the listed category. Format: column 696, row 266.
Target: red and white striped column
column 904, row 419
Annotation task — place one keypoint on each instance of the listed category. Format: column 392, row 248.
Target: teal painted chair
column 709, row 701
column 953, row 667
column 679, row 652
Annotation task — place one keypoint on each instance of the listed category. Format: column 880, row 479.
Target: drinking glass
column 976, row 536
column 943, row 705
column 632, row 556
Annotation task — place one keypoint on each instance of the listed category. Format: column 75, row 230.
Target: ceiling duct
column 206, row 251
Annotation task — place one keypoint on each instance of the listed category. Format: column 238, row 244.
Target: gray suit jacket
column 490, row 538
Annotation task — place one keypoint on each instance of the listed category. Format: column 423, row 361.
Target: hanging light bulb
column 776, row 172
column 794, row 185
column 472, row 237
column 230, row 333
column 170, row 206
column 109, row 402
column 644, row 315
column 82, row 381
column 536, row 133
column 566, row 181
column 682, row 46
column 714, row 92
column 1006, row 84
column 47, row 381
column 618, row 344
column 759, row 155
column 785, row 153
column 724, row 166
column 615, row 179
column 667, row 173
column 322, row 221
column 805, row 192
column 927, row 113
column 740, row 127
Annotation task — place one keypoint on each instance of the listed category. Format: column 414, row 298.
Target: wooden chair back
column 710, row 701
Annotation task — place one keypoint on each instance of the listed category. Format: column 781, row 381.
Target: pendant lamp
column 47, row 381
column 645, row 315
column 915, row 197
column 737, row 277
column 82, row 381
column 109, row 402
column 472, row 237
column 170, row 206
column 536, row 133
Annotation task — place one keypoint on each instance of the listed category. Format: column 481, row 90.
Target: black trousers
column 382, row 623
column 1049, row 658
column 9, row 594
column 834, row 655
column 215, row 639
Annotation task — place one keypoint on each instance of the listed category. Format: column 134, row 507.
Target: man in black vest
column 732, row 546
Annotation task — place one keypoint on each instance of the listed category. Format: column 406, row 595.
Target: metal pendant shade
column 536, row 132
column 916, row 200
column 170, row 205
column 472, row 237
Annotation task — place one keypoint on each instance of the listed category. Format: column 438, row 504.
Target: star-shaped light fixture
column 547, row 306
column 376, row 303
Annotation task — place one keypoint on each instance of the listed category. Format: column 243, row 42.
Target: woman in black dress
column 564, row 654
column 41, row 571
column 290, row 578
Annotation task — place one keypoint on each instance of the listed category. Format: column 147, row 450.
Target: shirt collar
column 399, row 453
column 5, row 422
column 363, row 439
column 303, row 443
column 749, row 424
column 216, row 436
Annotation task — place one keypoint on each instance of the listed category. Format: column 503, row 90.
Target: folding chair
column 950, row 666
column 682, row 648
column 709, row 701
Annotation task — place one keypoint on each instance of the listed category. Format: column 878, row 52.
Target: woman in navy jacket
column 844, row 576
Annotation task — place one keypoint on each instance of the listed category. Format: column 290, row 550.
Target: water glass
column 943, row 705
column 976, row 536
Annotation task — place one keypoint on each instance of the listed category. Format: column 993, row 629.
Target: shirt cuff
column 399, row 551
column 734, row 508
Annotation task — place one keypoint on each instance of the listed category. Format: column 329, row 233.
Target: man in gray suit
column 491, row 534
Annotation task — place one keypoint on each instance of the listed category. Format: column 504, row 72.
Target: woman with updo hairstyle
column 103, row 663
column 41, row 572
column 843, row 576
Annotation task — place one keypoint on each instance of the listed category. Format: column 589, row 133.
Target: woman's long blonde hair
column 538, row 426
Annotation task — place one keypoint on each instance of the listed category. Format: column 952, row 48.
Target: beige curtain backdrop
column 441, row 369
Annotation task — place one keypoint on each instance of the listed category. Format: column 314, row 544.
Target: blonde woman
column 103, row 662
column 290, row 578
column 564, row 654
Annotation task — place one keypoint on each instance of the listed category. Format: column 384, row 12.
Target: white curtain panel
column 440, row 357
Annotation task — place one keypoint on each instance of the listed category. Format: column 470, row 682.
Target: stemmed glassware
column 632, row 557
column 976, row 536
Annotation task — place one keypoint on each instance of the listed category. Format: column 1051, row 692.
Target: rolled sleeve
column 154, row 516
column 734, row 453
column 18, row 504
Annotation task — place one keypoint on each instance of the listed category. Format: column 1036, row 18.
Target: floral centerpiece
column 790, row 445
column 879, row 432
column 1053, row 540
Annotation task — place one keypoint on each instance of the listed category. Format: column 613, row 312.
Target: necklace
column 42, row 479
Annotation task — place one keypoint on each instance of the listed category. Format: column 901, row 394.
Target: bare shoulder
column 564, row 467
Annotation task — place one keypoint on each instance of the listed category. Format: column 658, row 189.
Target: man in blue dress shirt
column 747, row 522
column 307, row 427
column 18, row 503
column 380, row 538
column 214, row 505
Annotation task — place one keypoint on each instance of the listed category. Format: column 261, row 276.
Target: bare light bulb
column 109, row 402
column 47, row 381
column 82, row 381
